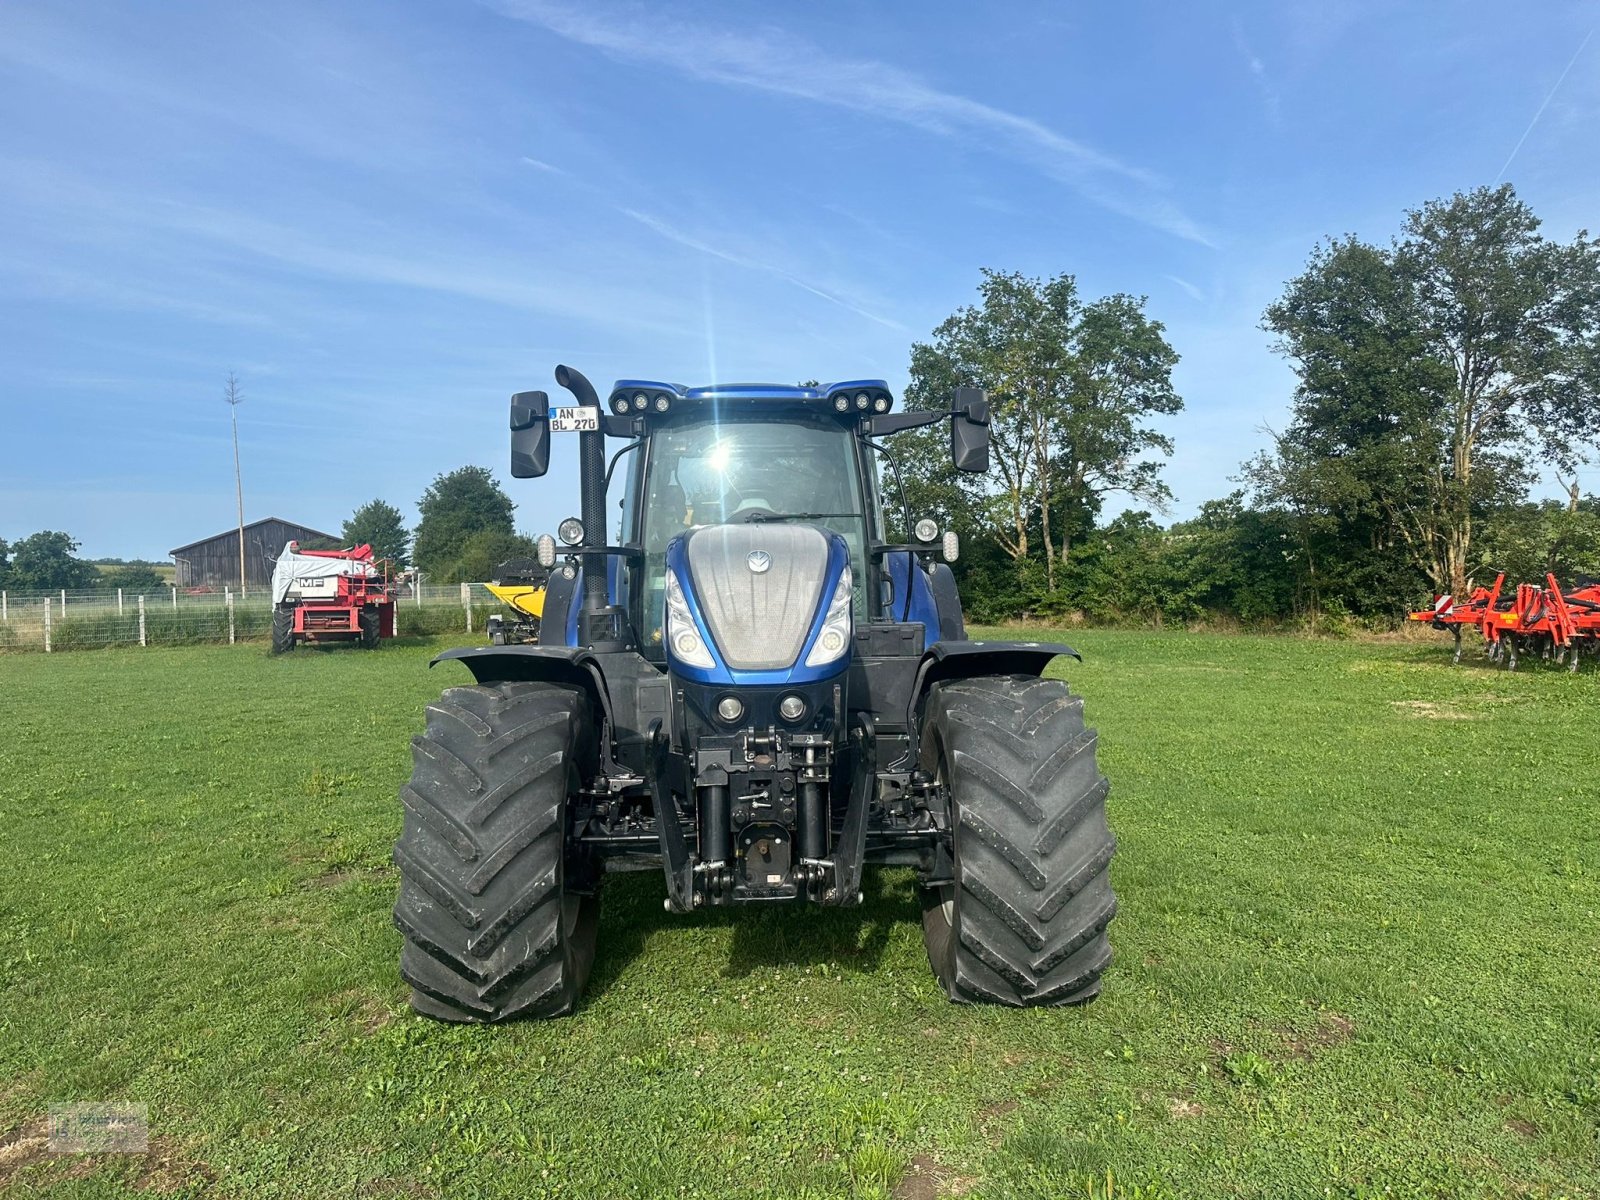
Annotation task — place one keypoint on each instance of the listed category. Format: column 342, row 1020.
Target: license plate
column 584, row 419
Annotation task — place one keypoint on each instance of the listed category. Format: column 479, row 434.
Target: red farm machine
column 331, row 595
column 1535, row 618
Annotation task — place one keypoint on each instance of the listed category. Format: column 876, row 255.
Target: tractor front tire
column 282, row 628
column 1019, row 911
column 498, row 911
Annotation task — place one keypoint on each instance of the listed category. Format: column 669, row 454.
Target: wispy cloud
column 1186, row 287
column 43, row 276
column 1258, row 74
column 540, row 165
column 244, row 244
column 774, row 61
column 1551, row 96
column 327, row 92
column 753, row 263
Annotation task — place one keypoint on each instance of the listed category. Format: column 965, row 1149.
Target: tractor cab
column 753, row 562
column 796, row 467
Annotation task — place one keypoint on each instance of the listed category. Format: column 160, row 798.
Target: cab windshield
column 705, row 471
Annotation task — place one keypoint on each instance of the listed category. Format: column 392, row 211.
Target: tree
column 135, row 578
column 1071, row 389
column 483, row 553
column 1435, row 373
column 456, row 506
column 1526, row 541
column 381, row 526
column 43, row 562
column 1346, row 473
column 5, row 562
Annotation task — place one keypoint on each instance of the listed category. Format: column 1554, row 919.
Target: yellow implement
column 525, row 598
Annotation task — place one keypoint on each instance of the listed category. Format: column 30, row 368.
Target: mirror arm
column 899, row 422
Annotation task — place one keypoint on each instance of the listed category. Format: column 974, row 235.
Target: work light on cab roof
column 646, row 397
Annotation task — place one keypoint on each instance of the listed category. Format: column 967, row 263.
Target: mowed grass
column 1356, row 956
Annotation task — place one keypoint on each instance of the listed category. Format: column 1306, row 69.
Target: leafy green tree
column 455, row 507
column 1235, row 561
column 1071, row 386
column 1434, row 375
column 44, row 561
column 1528, row 541
column 134, row 578
column 482, row 554
column 381, row 526
column 5, row 562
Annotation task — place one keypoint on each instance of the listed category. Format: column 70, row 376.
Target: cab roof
column 656, row 397
column 749, row 391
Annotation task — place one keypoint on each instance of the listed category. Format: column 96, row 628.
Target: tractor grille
column 759, row 618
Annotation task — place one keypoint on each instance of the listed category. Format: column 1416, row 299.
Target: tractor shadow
column 788, row 936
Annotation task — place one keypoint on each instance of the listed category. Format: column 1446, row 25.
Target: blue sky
column 386, row 217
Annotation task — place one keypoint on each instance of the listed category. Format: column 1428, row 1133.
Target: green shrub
column 429, row 619
column 94, row 630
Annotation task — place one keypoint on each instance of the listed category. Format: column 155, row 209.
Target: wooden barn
column 213, row 562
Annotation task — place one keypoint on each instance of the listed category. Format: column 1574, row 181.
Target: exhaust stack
column 597, row 622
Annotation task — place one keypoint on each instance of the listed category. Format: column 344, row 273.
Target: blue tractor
column 757, row 693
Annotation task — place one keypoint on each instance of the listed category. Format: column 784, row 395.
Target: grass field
column 1357, row 956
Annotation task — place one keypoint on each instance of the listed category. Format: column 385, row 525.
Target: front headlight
column 834, row 640
column 683, row 639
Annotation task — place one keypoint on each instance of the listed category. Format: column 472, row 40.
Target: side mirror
column 530, row 435
column 969, row 430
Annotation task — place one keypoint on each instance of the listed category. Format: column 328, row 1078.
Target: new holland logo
column 759, row 561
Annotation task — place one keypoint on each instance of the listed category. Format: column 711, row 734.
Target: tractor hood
column 758, row 603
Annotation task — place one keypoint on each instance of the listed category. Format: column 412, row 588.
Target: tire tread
column 481, row 854
column 1033, row 847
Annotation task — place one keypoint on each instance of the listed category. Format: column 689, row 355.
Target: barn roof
column 234, row 532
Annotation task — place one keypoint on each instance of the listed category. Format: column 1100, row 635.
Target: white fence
column 84, row 620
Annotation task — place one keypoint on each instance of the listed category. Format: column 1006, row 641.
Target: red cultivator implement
column 1536, row 619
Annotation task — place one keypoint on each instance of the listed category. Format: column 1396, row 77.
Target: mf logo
column 759, row 561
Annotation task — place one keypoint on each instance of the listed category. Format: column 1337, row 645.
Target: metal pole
column 227, row 596
column 119, row 602
column 63, row 602
column 174, row 599
column 47, row 624
column 141, row 621
column 231, row 395
column 5, row 606
column 466, row 603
